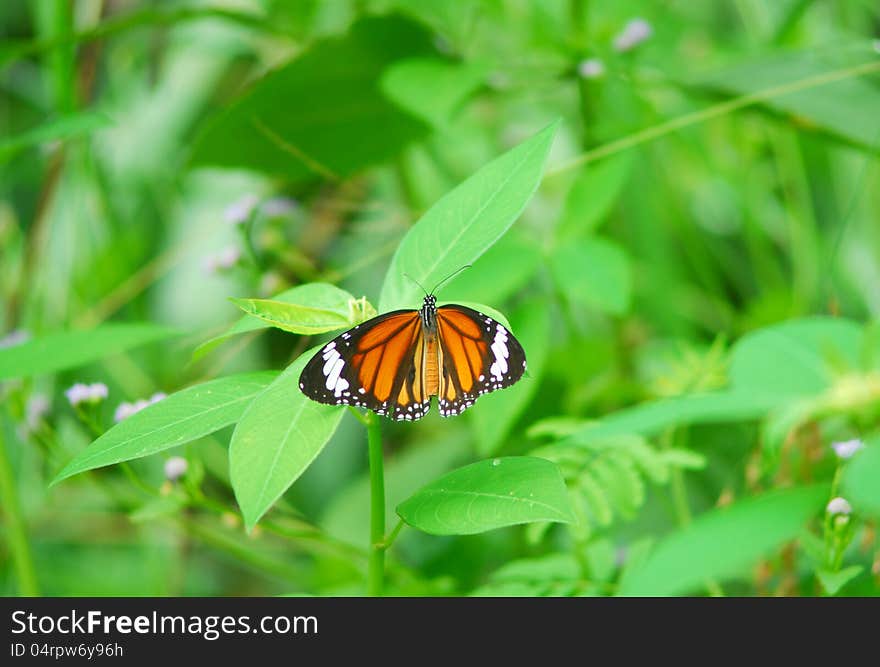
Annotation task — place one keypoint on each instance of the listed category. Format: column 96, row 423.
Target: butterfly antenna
column 451, row 275
column 416, row 282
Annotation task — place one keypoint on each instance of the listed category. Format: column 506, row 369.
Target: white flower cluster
column 13, row 338
column 848, row 448
column 223, row 260
column 634, row 33
column 839, row 506
column 241, row 210
column 128, row 409
column 86, row 393
column 175, row 468
column 591, row 68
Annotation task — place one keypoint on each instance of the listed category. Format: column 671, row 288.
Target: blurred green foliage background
column 696, row 282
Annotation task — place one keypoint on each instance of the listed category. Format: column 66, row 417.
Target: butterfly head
column 428, row 313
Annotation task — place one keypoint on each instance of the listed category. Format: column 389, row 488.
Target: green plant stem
column 15, row 529
column 376, row 564
column 681, row 506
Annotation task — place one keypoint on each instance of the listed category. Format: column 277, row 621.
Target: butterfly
column 394, row 363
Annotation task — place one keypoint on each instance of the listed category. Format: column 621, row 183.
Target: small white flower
column 876, row 45
column 175, row 468
column 37, row 407
column 839, row 506
column 86, row 393
column 13, row 338
column 223, row 260
column 848, row 448
column 591, row 68
column 240, row 210
column 277, row 207
column 125, row 410
column 634, row 33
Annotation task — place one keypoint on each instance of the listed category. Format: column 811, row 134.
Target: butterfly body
column 394, row 363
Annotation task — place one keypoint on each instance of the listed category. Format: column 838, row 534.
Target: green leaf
column 487, row 495
column 495, row 414
column 794, row 358
column 323, row 114
column 430, row 88
column 317, row 296
column 861, row 479
column 723, row 542
column 59, row 129
column 594, row 272
column 306, row 320
column 465, row 223
column 651, row 418
column 591, row 197
column 846, row 109
column 832, row 582
column 276, row 439
column 68, row 349
column 500, row 272
column 179, row 418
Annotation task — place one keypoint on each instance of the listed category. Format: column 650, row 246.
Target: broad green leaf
column 503, row 270
column 276, row 439
column 591, row 197
column 794, row 358
column 494, row 414
column 68, row 349
column 306, row 320
column 595, row 273
column 846, row 109
column 430, row 88
column 323, row 296
column 861, row 479
column 323, row 114
column 465, row 223
column 59, row 129
column 179, row 418
column 832, row 582
column 652, row 418
column 723, row 542
column 487, row 495
column 347, row 517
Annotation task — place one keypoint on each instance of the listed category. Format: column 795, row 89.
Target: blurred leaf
column 651, row 418
column 553, row 574
column 159, row 508
column 487, row 495
column 846, row 108
column 59, row 129
column 430, row 88
column 323, row 114
column 309, row 297
column 500, row 272
column 595, row 273
column 832, row 582
column 723, row 542
column 465, row 222
column 861, row 479
column 794, row 358
column 181, row 417
column 68, row 349
column 276, row 439
column 591, row 197
column 495, row 414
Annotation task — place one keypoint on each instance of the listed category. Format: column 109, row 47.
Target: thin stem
column 388, row 541
column 714, row 111
column 376, row 565
column 16, row 533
